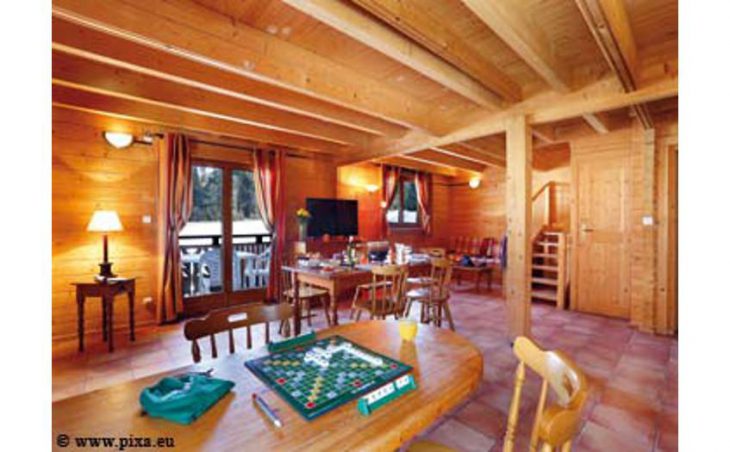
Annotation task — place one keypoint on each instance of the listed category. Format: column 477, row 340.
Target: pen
column 258, row 400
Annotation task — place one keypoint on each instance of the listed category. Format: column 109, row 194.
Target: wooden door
column 601, row 272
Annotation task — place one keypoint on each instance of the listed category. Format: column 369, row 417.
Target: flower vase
column 303, row 231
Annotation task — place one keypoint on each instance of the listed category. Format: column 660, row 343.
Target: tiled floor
column 633, row 376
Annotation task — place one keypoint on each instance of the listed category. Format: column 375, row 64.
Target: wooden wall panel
column 352, row 181
column 306, row 178
column 479, row 212
column 89, row 174
column 653, row 303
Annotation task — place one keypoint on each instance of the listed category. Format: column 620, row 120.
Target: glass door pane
column 251, row 241
column 201, row 239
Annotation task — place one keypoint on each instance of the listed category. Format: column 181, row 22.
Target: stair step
column 550, row 268
column 551, row 233
column 546, row 281
column 548, row 244
column 546, row 255
column 545, row 295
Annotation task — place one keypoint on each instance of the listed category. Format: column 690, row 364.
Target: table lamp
column 105, row 221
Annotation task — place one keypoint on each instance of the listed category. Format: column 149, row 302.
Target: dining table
column 447, row 369
column 337, row 280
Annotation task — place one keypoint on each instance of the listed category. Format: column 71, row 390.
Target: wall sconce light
column 474, row 182
column 371, row 188
column 383, row 204
column 119, row 140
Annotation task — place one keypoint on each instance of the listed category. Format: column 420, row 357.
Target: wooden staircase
column 549, row 267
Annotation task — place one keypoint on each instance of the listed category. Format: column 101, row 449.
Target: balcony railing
column 252, row 243
column 202, row 266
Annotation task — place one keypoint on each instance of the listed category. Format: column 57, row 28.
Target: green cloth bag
column 183, row 398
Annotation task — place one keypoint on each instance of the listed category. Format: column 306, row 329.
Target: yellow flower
column 303, row 213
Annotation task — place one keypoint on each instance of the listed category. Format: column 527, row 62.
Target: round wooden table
column 447, row 369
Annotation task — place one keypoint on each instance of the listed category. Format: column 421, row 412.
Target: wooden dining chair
column 434, row 298
column 555, row 426
column 386, row 293
column 235, row 317
column 308, row 295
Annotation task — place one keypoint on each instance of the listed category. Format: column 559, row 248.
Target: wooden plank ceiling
column 425, row 84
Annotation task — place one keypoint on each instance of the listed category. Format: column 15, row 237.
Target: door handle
column 585, row 228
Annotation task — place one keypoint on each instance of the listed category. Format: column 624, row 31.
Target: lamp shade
column 104, row 221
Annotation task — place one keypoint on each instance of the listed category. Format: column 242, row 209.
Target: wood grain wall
column 352, row 181
column 89, row 174
column 652, row 249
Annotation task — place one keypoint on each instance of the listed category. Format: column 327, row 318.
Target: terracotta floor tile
column 636, row 426
column 632, row 375
column 483, row 418
column 459, row 436
column 595, row 438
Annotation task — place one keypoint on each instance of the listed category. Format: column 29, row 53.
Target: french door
column 224, row 247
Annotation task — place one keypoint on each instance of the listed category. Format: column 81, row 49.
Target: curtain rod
column 289, row 152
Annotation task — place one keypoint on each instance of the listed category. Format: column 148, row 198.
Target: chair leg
column 354, row 302
column 358, row 314
column 448, row 316
column 309, row 313
column 326, row 304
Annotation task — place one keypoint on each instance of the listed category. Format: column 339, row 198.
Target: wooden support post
column 519, row 219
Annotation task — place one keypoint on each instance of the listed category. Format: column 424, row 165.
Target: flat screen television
column 332, row 216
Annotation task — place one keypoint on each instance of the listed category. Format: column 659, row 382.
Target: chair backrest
column 391, row 296
column 287, row 283
column 212, row 260
column 441, row 270
column 229, row 319
column 474, row 245
column 556, row 425
column 263, row 259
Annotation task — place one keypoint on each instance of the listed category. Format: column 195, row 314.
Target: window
column 218, row 233
column 403, row 211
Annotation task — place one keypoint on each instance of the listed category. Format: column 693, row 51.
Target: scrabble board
column 317, row 377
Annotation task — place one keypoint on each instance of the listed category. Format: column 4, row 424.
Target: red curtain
column 269, row 183
column 176, row 196
column 423, row 194
column 390, row 183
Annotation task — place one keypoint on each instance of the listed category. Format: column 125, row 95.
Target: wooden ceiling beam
column 545, row 133
column 410, row 18
column 122, row 82
column 510, row 21
column 418, row 165
column 381, row 38
column 190, row 30
column 69, row 97
column 436, row 155
column 596, row 123
column 609, row 24
column 93, row 45
column 467, row 152
column 550, row 107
